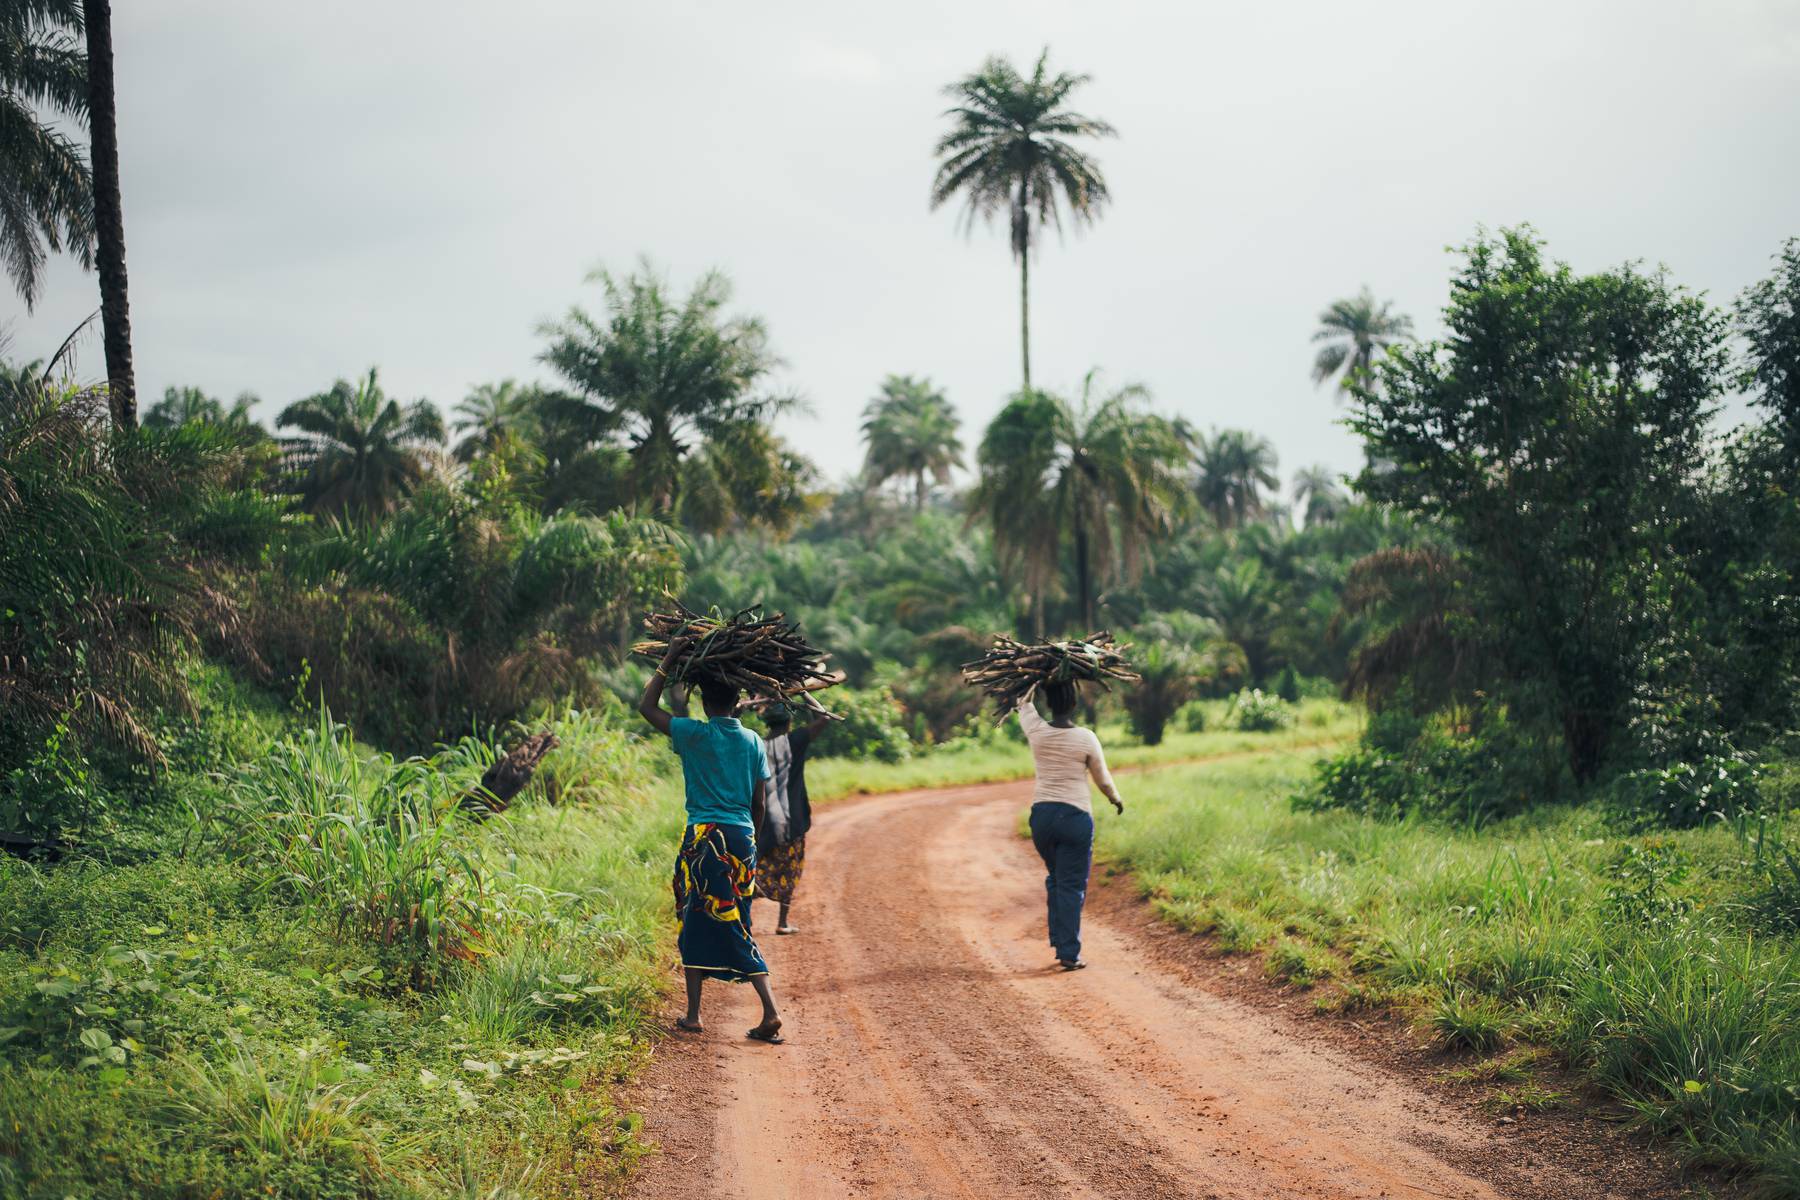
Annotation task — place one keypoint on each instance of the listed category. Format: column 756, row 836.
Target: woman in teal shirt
column 726, row 773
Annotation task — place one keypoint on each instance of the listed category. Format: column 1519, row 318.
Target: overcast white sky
column 314, row 188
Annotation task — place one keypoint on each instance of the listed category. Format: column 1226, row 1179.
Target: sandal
column 771, row 1036
column 682, row 1026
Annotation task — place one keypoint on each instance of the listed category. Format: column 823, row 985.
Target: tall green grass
column 268, row 1009
column 372, row 844
column 1642, row 961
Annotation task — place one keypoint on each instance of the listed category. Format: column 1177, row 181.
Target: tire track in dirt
column 935, row 1051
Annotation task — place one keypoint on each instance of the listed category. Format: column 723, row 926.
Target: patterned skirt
column 714, row 881
column 778, row 870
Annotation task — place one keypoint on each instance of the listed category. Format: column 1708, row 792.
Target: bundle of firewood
column 1011, row 668
column 764, row 656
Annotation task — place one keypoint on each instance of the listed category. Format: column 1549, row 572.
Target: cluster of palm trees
column 661, row 409
column 1099, row 472
column 1098, row 478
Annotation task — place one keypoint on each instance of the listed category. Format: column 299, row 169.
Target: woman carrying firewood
column 1062, row 812
column 726, row 773
column 787, row 815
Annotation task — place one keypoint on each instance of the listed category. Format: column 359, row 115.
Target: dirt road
column 934, row 1051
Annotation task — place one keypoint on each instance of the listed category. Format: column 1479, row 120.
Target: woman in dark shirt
column 787, row 814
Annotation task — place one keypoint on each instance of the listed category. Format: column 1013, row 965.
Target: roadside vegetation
column 333, row 979
column 1662, row 967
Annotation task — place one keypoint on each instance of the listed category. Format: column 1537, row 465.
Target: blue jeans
column 1064, row 837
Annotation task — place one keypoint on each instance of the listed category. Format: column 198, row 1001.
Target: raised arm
column 1030, row 720
column 1096, row 765
column 650, row 703
column 817, row 727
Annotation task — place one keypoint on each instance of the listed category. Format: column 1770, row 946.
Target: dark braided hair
column 1061, row 697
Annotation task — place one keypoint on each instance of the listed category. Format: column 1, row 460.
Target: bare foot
column 686, row 1026
column 769, row 1031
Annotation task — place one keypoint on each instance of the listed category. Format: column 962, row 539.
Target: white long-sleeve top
column 1065, row 758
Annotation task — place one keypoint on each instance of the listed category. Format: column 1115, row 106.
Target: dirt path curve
column 935, row 1052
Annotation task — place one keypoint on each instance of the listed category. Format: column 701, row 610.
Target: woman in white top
column 1062, row 814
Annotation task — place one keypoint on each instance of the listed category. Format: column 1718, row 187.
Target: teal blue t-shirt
column 720, row 763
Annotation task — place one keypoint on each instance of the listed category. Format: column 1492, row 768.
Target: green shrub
column 1193, row 716
column 1685, row 794
column 1168, row 675
column 1469, row 1022
column 873, row 726
column 99, row 597
column 1255, row 711
column 1287, row 685
column 1405, row 766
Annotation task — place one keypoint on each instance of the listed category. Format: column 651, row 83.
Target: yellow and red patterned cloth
column 714, row 880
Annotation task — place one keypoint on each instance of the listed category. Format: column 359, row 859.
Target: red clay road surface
column 934, row 1051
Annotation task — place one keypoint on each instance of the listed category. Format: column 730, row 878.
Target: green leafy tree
column 1100, row 472
column 493, row 412
column 1009, row 151
column 911, row 431
column 746, row 476
column 672, row 380
column 1243, row 598
column 358, row 452
column 1768, row 316
column 1353, row 332
column 1746, row 663
column 1558, row 433
column 1233, row 469
column 1320, row 497
column 46, row 188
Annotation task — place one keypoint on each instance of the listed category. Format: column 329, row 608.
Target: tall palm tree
column 491, row 413
column 1320, row 497
column 1008, row 151
column 1101, row 472
column 1232, row 470
column 358, row 451
column 911, row 429
column 1353, row 330
column 46, row 189
column 670, row 378
column 109, row 215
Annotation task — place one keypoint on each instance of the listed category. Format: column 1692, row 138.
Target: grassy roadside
column 999, row 756
column 379, row 998
column 1659, row 966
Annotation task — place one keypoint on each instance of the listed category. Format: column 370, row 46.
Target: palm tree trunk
column 919, row 492
column 1025, row 315
column 109, row 218
column 1082, row 583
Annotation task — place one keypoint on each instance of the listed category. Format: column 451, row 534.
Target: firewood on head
column 1011, row 668
column 765, row 657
